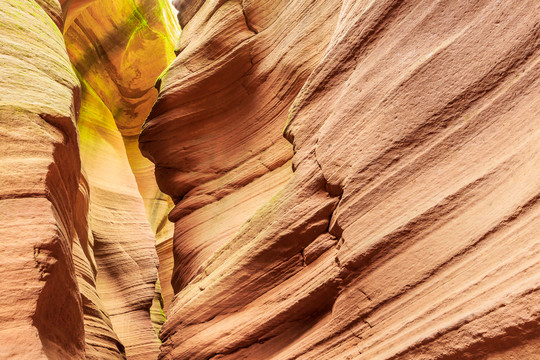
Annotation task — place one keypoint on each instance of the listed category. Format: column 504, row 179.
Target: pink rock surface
column 351, row 179
column 415, row 143
column 40, row 311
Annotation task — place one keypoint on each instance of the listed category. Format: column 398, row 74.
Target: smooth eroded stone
column 118, row 49
column 215, row 132
column 41, row 311
column 416, row 145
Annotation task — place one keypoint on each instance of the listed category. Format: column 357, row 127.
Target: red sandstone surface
column 350, row 179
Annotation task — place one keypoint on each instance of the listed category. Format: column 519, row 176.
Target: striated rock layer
column 79, row 205
column 351, row 179
column 215, row 132
column 118, row 49
column 40, row 309
column 409, row 226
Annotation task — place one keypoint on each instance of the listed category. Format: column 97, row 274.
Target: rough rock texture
column 40, row 308
column 118, row 49
column 409, row 228
column 79, row 205
column 351, row 179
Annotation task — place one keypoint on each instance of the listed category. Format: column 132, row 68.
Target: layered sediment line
column 215, row 132
column 72, row 176
column 118, row 49
column 347, row 179
column 408, row 227
column 39, row 176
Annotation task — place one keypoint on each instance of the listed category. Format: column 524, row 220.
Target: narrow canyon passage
column 269, row 179
column 118, row 49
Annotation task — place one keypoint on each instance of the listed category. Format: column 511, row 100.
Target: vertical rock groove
column 118, row 49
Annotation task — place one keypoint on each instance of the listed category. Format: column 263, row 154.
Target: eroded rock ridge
column 409, row 226
column 80, row 208
column 345, row 179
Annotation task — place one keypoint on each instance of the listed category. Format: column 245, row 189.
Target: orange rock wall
column 75, row 187
column 409, row 226
column 351, row 179
column 215, row 132
column 40, row 309
column 118, row 49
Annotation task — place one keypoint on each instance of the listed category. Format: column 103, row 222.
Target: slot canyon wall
column 80, row 207
column 409, row 228
column 345, row 179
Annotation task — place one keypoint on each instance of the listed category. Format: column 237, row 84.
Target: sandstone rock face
column 215, row 132
column 347, row 179
column 111, row 45
column 80, row 207
column 409, row 227
column 40, row 311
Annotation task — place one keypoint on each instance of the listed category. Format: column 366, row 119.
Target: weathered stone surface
column 100, row 338
column 351, row 179
column 78, row 244
column 40, row 308
column 223, row 153
column 118, row 49
column 123, row 242
column 416, row 141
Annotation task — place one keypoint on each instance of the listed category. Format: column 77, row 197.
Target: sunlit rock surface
column 409, row 228
column 118, row 49
column 215, row 132
column 40, row 309
column 351, row 179
column 82, row 209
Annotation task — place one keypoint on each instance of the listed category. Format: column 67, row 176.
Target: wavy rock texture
column 40, row 310
column 409, row 228
column 101, row 340
column 351, row 179
column 79, row 227
column 118, row 49
column 215, row 132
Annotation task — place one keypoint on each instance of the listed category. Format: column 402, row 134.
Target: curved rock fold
column 407, row 227
column 285, row 179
